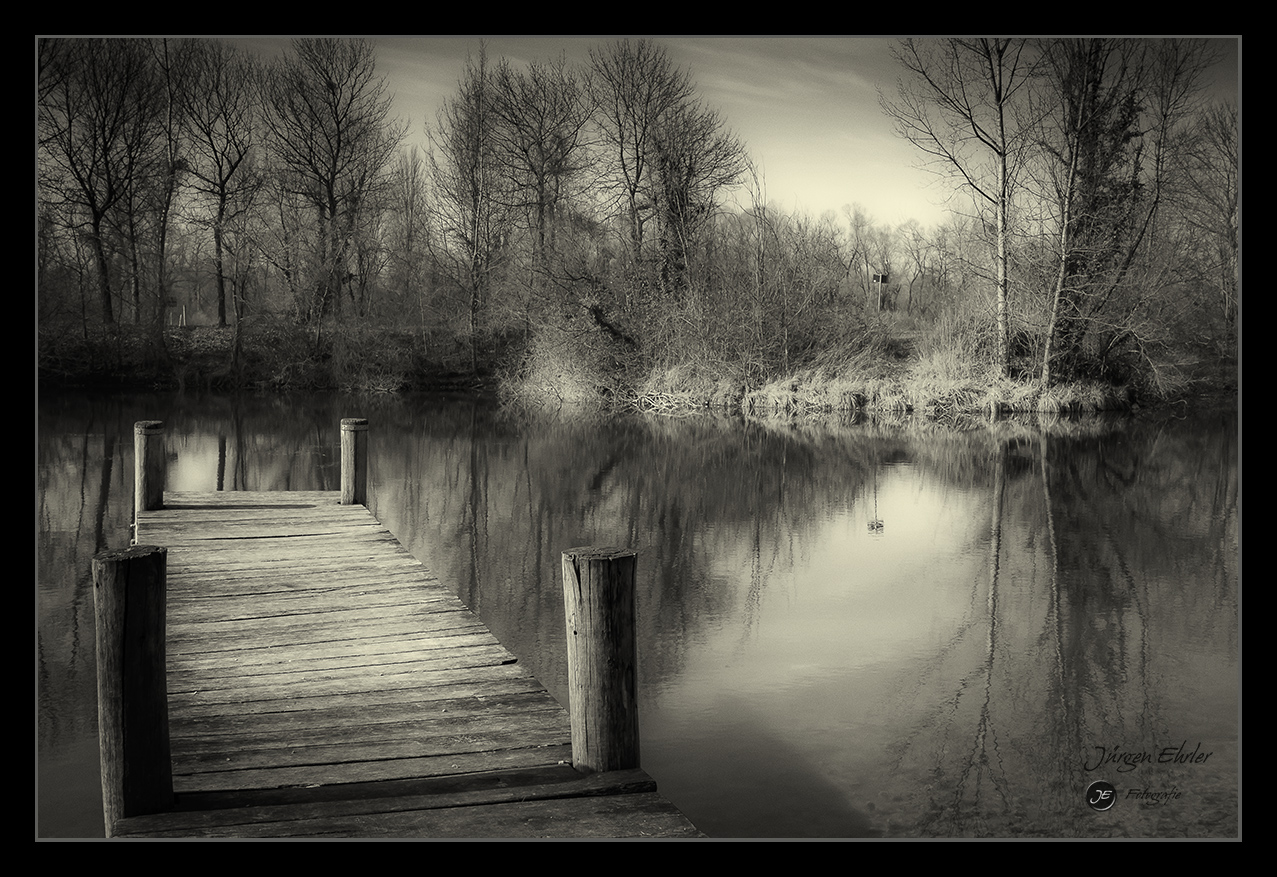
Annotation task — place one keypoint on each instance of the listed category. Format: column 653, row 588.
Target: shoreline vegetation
column 211, row 219
column 896, row 369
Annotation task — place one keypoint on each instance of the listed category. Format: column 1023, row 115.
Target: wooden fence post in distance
column 354, row 461
column 149, row 464
column 598, row 601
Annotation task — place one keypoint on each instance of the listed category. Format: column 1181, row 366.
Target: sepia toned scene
column 906, row 371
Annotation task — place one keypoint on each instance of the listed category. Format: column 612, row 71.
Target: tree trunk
column 104, row 274
column 1004, row 357
column 1062, row 275
column 219, row 266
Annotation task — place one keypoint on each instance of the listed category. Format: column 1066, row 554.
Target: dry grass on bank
column 933, row 386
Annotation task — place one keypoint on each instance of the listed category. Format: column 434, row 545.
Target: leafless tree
column 1111, row 134
column 860, row 248
column 328, row 115
column 471, row 216
column 957, row 105
column 696, row 159
column 539, row 133
column 222, row 118
column 666, row 156
column 636, row 85
column 99, row 124
column 409, row 233
column 918, row 249
column 173, row 61
column 1211, row 204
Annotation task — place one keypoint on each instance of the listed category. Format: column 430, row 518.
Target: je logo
column 1100, row 795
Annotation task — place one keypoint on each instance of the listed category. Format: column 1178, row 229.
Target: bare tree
column 173, row 59
column 666, row 157
column 957, row 107
column 99, row 126
column 471, row 214
column 919, row 252
column 636, row 85
column 223, row 122
column 410, row 229
column 1110, row 138
column 328, row 115
column 1211, row 204
column 1089, row 139
column 696, row 158
column 860, row 257
column 539, row 131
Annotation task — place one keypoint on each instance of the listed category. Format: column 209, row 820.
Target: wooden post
column 354, row 461
column 133, row 735
column 598, row 599
column 148, row 465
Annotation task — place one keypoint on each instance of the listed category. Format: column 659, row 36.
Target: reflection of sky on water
column 817, row 660
column 852, row 598
column 192, row 463
column 195, row 463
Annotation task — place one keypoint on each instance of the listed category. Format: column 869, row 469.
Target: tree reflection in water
column 1042, row 590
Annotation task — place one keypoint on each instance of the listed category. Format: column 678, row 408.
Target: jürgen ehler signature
column 1126, row 760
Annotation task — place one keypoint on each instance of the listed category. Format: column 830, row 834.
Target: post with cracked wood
column 598, row 599
column 133, row 731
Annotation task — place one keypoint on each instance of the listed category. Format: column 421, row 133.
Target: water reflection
column 847, row 630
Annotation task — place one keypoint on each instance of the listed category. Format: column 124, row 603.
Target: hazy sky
column 805, row 107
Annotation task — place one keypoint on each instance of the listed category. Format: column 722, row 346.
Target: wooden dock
column 322, row 683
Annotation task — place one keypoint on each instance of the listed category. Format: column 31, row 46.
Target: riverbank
column 266, row 355
column 894, row 372
column 892, row 368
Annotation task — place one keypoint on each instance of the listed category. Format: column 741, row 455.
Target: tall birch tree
column 957, row 104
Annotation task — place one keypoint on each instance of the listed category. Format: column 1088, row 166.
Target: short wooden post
column 148, row 465
column 133, row 734
column 598, row 599
column 354, row 461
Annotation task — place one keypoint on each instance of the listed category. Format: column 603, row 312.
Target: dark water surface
column 845, row 630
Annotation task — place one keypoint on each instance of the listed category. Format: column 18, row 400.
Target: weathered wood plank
column 212, row 642
column 312, row 659
column 444, row 685
column 317, row 775
column 352, row 678
column 496, row 706
column 342, row 744
column 577, row 806
column 281, row 600
column 356, row 651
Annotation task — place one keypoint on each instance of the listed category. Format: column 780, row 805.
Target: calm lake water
column 846, row 630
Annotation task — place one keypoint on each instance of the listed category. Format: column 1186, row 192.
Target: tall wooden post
column 133, row 734
column 354, row 461
column 598, row 599
column 149, row 464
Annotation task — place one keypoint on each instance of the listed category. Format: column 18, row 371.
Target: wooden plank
column 395, row 714
column 320, row 673
column 281, row 654
column 645, row 815
column 445, row 685
column 345, row 744
column 571, row 805
column 338, row 773
column 350, row 652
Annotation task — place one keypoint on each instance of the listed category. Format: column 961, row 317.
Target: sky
column 806, row 108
